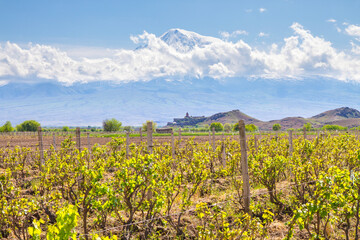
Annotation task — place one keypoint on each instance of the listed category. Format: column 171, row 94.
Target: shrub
column 65, row 129
column 144, row 126
column 333, row 127
column 217, row 126
column 248, row 128
column 128, row 128
column 276, row 127
column 28, row 126
column 251, row 128
column 227, row 127
column 111, row 125
column 7, row 127
column 307, row 126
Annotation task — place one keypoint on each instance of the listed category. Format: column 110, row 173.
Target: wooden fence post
column 41, row 147
column 140, row 132
column 149, row 137
column 179, row 133
column 172, row 144
column 78, row 139
column 223, row 151
column 54, row 141
column 290, row 142
column 213, row 138
column 304, row 130
column 244, row 166
column 88, row 141
column 127, row 143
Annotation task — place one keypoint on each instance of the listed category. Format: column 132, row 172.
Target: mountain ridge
column 344, row 116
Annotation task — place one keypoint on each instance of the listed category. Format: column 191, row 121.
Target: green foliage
column 35, row 231
column 307, row 126
column 217, row 126
column 251, row 128
column 66, row 221
column 227, row 127
column 127, row 128
column 65, row 129
column 192, row 194
column 111, row 125
column 28, row 126
column 7, row 127
column 334, row 127
column 144, row 126
column 276, row 127
column 248, row 127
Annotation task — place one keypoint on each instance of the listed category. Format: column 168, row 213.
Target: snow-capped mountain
column 184, row 41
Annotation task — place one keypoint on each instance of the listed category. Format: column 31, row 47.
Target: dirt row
column 32, row 141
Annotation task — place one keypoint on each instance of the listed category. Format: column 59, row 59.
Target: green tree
column 276, row 127
column 7, row 127
column 65, row 129
column 217, row 126
column 334, row 127
column 251, row 128
column 111, row 125
column 307, row 126
column 227, row 127
column 128, row 128
column 236, row 127
column 144, row 126
column 28, row 126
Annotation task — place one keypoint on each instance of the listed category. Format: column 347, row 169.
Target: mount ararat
column 165, row 96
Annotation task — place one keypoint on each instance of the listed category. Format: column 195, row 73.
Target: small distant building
column 186, row 121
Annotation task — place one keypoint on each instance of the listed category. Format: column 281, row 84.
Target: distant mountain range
column 344, row 116
column 133, row 102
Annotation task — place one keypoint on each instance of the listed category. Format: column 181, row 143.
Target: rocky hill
column 345, row 116
column 224, row 117
column 337, row 114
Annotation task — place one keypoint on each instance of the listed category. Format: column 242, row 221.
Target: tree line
column 114, row 125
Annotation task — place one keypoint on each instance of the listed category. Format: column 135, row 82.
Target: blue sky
column 73, row 44
column 110, row 23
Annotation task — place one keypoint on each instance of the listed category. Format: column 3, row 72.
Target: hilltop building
column 186, row 121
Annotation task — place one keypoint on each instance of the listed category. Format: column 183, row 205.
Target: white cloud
column 331, row 20
column 353, row 30
column 3, row 82
column 262, row 10
column 184, row 54
column 226, row 35
column 355, row 48
column 262, row 34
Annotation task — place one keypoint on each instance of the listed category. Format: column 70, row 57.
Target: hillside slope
column 224, row 117
column 345, row 116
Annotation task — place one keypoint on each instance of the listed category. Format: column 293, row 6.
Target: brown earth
column 32, row 141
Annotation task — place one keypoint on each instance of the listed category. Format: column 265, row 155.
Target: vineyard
column 300, row 188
